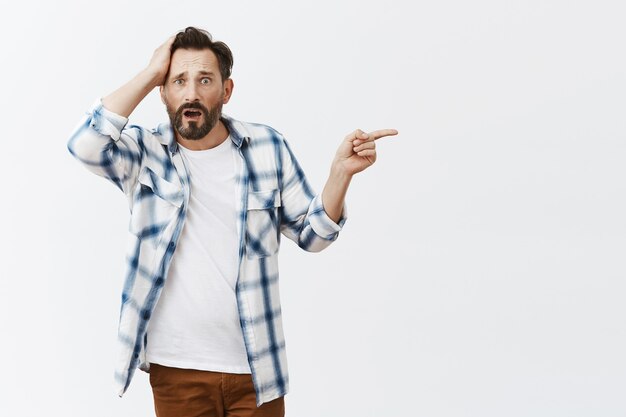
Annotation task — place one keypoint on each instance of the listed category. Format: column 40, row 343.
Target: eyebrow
column 182, row 74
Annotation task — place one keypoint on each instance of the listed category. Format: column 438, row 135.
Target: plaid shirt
column 274, row 197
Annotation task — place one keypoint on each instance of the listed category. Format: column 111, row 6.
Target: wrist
column 339, row 173
column 151, row 78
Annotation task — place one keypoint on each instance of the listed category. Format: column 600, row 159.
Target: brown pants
column 191, row 393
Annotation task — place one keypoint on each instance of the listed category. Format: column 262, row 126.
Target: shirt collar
column 165, row 133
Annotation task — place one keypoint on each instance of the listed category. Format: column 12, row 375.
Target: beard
column 194, row 131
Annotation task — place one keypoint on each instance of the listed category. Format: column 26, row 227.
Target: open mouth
column 192, row 114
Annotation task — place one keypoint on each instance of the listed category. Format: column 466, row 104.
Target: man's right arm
column 100, row 141
column 124, row 100
column 105, row 148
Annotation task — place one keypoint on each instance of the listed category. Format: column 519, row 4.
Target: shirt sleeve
column 304, row 219
column 105, row 147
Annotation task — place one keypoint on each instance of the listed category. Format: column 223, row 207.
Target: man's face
column 194, row 93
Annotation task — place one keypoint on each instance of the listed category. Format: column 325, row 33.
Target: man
column 209, row 197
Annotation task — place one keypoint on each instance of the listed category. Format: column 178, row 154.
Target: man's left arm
column 356, row 153
column 314, row 221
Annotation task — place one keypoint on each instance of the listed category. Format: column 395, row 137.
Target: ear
column 162, row 93
column 228, row 90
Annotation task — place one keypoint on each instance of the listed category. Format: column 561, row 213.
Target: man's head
column 198, row 83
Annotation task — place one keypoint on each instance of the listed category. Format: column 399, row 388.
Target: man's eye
column 178, row 82
column 205, row 81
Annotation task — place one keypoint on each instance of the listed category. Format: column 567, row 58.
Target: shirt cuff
column 323, row 225
column 106, row 122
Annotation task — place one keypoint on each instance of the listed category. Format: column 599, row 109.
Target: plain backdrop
column 481, row 270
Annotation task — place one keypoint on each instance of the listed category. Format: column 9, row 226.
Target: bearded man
column 209, row 198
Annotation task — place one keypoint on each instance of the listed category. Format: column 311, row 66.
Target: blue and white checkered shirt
column 274, row 198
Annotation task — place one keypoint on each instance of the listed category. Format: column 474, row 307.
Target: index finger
column 377, row 134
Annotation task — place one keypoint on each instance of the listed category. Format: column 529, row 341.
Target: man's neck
column 214, row 138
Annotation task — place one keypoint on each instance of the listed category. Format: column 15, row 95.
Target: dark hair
column 193, row 38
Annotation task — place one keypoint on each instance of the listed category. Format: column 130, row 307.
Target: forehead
column 193, row 60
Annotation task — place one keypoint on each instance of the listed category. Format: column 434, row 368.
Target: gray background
column 481, row 271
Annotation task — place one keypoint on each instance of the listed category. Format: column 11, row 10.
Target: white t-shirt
column 195, row 324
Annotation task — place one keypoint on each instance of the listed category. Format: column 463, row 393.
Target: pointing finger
column 377, row 134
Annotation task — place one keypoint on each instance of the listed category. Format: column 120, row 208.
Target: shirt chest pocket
column 262, row 223
column 155, row 203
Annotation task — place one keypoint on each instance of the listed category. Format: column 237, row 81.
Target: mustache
column 194, row 105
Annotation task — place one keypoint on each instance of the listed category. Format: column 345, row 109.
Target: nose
column 191, row 93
